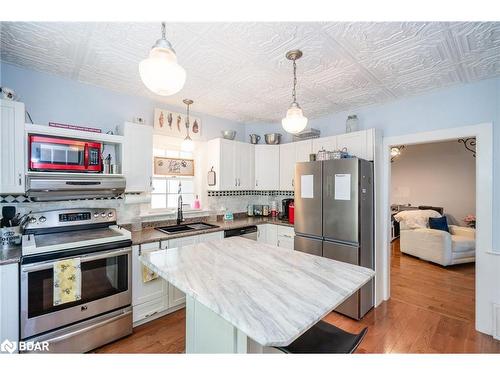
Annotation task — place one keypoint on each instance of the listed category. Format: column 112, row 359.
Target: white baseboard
column 159, row 315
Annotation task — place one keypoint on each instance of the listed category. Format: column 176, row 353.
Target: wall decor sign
column 173, row 124
column 173, row 166
column 75, row 127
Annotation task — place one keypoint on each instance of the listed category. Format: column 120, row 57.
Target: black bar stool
column 325, row 338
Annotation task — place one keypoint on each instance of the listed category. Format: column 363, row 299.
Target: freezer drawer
column 308, row 245
column 341, row 252
column 360, row 302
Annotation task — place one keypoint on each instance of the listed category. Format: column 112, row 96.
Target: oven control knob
column 103, row 214
column 96, row 215
column 32, row 220
column 110, row 214
column 42, row 219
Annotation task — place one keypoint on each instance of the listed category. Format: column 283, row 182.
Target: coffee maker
column 285, row 204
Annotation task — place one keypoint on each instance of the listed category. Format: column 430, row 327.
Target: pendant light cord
column 163, row 30
column 294, row 92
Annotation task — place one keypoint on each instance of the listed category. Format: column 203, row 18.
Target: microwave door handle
column 84, row 258
column 86, row 155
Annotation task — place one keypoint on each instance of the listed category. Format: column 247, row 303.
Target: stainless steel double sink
column 184, row 228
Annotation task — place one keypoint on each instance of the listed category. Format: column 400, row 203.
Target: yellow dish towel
column 147, row 274
column 67, row 281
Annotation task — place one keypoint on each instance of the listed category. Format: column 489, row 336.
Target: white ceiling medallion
column 187, row 144
column 160, row 71
column 294, row 122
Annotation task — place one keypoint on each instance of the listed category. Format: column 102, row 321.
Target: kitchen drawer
column 148, row 309
column 272, row 234
column 285, row 242
column 150, row 246
column 286, row 232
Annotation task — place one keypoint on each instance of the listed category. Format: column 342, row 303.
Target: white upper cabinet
column 302, row 150
column 291, row 153
column 244, row 157
column 324, row 143
column 227, row 172
column 267, row 164
column 287, row 165
column 137, row 165
column 233, row 163
column 12, row 152
column 358, row 143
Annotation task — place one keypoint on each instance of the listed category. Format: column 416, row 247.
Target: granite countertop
column 147, row 235
column 10, row 256
column 271, row 294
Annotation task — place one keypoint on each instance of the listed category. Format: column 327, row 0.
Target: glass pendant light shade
column 187, row 145
column 294, row 122
column 161, row 73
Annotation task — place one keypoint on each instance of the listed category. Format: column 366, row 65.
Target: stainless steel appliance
column 249, row 232
column 334, row 218
column 103, row 313
column 285, row 206
column 47, row 187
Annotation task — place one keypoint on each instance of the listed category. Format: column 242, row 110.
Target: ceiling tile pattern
column 238, row 71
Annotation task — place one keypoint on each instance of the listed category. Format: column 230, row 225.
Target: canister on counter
column 265, row 210
column 250, row 210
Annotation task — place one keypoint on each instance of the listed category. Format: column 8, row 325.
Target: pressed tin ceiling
column 238, row 71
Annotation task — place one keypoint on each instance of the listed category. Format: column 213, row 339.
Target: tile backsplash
column 240, row 202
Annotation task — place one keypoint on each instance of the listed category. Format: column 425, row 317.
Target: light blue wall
column 50, row 98
column 452, row 107
column 457, row 106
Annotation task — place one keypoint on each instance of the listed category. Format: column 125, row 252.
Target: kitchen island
column 245, row 297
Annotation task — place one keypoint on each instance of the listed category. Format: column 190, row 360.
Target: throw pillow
column 439, row 223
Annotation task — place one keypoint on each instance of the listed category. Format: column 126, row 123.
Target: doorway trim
column 485, row 266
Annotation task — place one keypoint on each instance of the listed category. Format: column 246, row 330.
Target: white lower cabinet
column 261, row 233
column 285, row 237
column 148, row 298
column 9, row 302
column 276, row 235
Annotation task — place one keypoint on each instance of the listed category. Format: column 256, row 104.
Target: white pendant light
column 160, row 71
column 295, row 121
column 187, row 144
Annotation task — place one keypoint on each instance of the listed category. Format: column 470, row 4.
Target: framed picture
column 164, row 166
column 173, row 124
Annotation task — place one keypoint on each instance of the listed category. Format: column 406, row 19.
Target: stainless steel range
column 103, row 250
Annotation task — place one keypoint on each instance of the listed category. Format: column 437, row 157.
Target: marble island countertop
column 271, row 294
column 147, row 235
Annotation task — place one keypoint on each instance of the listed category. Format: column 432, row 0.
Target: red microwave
column 59, row 154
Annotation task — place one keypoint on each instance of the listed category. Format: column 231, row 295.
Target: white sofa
column 438, row 246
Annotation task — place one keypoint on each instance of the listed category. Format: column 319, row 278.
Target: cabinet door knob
column 20, row 179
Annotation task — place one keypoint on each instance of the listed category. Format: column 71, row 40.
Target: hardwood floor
column 431, row 310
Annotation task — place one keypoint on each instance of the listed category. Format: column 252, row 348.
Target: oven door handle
column 84, row 258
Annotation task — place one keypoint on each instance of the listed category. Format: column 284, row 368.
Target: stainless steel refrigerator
column 334, row 218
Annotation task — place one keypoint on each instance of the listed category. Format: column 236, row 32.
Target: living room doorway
column 433, row 214
column 484, row 292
